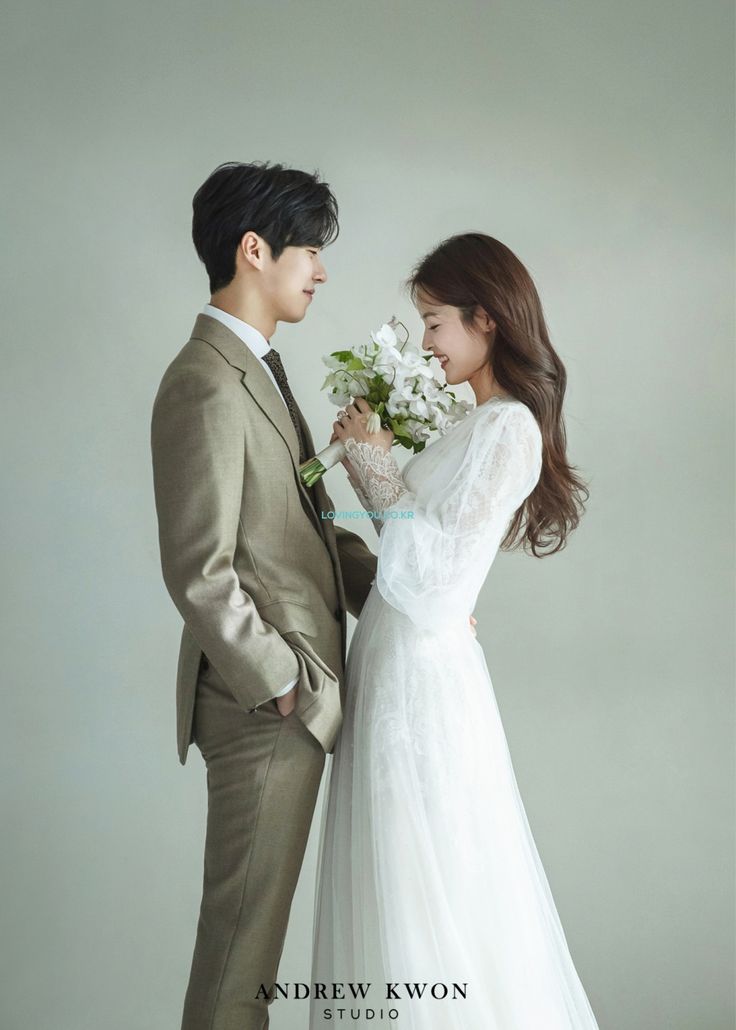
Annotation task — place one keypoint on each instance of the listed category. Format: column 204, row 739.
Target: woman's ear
column 484, row 320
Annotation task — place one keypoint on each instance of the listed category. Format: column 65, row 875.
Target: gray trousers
column 263, row 776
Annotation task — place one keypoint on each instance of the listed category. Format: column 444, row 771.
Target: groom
column 261, row 580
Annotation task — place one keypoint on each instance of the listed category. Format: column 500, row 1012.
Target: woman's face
column 463, row 351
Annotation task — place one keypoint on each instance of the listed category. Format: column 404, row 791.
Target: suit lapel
column 323, row 504
column 258, row 383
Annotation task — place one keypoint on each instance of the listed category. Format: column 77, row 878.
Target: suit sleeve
column 358, row 566
column 289, row 686
column 198, row 449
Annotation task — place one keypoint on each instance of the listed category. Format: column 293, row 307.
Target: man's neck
column 247, row 309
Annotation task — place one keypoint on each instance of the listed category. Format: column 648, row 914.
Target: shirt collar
column 250, row 336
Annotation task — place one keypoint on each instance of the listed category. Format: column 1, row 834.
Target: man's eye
column 433, row 327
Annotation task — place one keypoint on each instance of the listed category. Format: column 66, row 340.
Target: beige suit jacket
column 262, row 583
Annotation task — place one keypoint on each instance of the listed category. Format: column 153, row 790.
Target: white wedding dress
column 428, row 872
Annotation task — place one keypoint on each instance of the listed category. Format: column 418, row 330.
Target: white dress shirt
column 257, row 343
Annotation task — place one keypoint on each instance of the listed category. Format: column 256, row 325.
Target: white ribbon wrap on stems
column 313, row 469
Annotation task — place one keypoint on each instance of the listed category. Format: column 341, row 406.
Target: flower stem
column 314, row 468
column 311, row 471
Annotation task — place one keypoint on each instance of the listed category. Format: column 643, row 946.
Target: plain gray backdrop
column 596, row 140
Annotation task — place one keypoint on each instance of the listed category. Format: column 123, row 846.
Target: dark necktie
column 273, row 360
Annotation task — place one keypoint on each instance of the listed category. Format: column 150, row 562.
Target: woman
column 428, row 870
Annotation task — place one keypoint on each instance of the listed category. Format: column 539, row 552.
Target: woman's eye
column 433, row 327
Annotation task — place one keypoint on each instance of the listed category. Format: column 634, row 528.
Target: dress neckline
column 495, row 397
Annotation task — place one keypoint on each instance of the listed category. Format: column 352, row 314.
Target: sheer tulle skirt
column 428, row 872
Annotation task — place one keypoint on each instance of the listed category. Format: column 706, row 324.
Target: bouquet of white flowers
column 403, row 392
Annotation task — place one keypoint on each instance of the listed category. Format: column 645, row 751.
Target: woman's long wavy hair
column 473, row 270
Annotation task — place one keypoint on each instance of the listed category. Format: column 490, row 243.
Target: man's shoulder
column 198, row 370
column 197, row 358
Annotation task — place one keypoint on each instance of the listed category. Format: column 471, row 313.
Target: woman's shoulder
column 499, row 418
column 511, row 424
column 507, row 411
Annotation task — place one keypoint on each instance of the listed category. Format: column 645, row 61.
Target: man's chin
column 293, row 316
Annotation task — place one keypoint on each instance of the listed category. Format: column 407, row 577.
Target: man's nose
column 320, row 275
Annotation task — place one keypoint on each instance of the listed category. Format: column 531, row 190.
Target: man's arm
column 358, row 565
column 198, row 449
column 287, row 688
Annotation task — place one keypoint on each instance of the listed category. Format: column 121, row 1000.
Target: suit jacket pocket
column 289, row 616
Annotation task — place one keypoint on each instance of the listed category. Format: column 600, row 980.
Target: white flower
column 418, row 406
column 411, row 358
column 401, row 392
column 339, row 384
column 425, row 372
column 442, row 400
column 360, row 383
column 342, row 379
column 385, row 336
column 339, row 398
column 396, row 404
column 373, row 423
column 417, row 400
column 332, row 362
column 418, row 431
column 388, row 361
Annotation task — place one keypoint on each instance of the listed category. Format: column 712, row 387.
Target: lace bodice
column 445, row 516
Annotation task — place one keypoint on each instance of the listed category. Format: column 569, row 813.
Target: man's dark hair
column 285, row 206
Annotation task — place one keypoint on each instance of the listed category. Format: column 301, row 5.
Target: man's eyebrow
column 426, row 313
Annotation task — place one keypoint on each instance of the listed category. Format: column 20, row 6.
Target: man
column 261, row 580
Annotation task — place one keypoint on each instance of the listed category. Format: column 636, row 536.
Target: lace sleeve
column 381, row 482
column 355, row 483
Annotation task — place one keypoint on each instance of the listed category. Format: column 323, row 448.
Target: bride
column 433, row 911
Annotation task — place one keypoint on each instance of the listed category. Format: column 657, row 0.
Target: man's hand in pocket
column 287, row 702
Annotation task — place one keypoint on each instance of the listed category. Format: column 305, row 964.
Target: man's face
column 290, row 282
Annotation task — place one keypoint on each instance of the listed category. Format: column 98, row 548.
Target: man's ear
column 252, row 248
